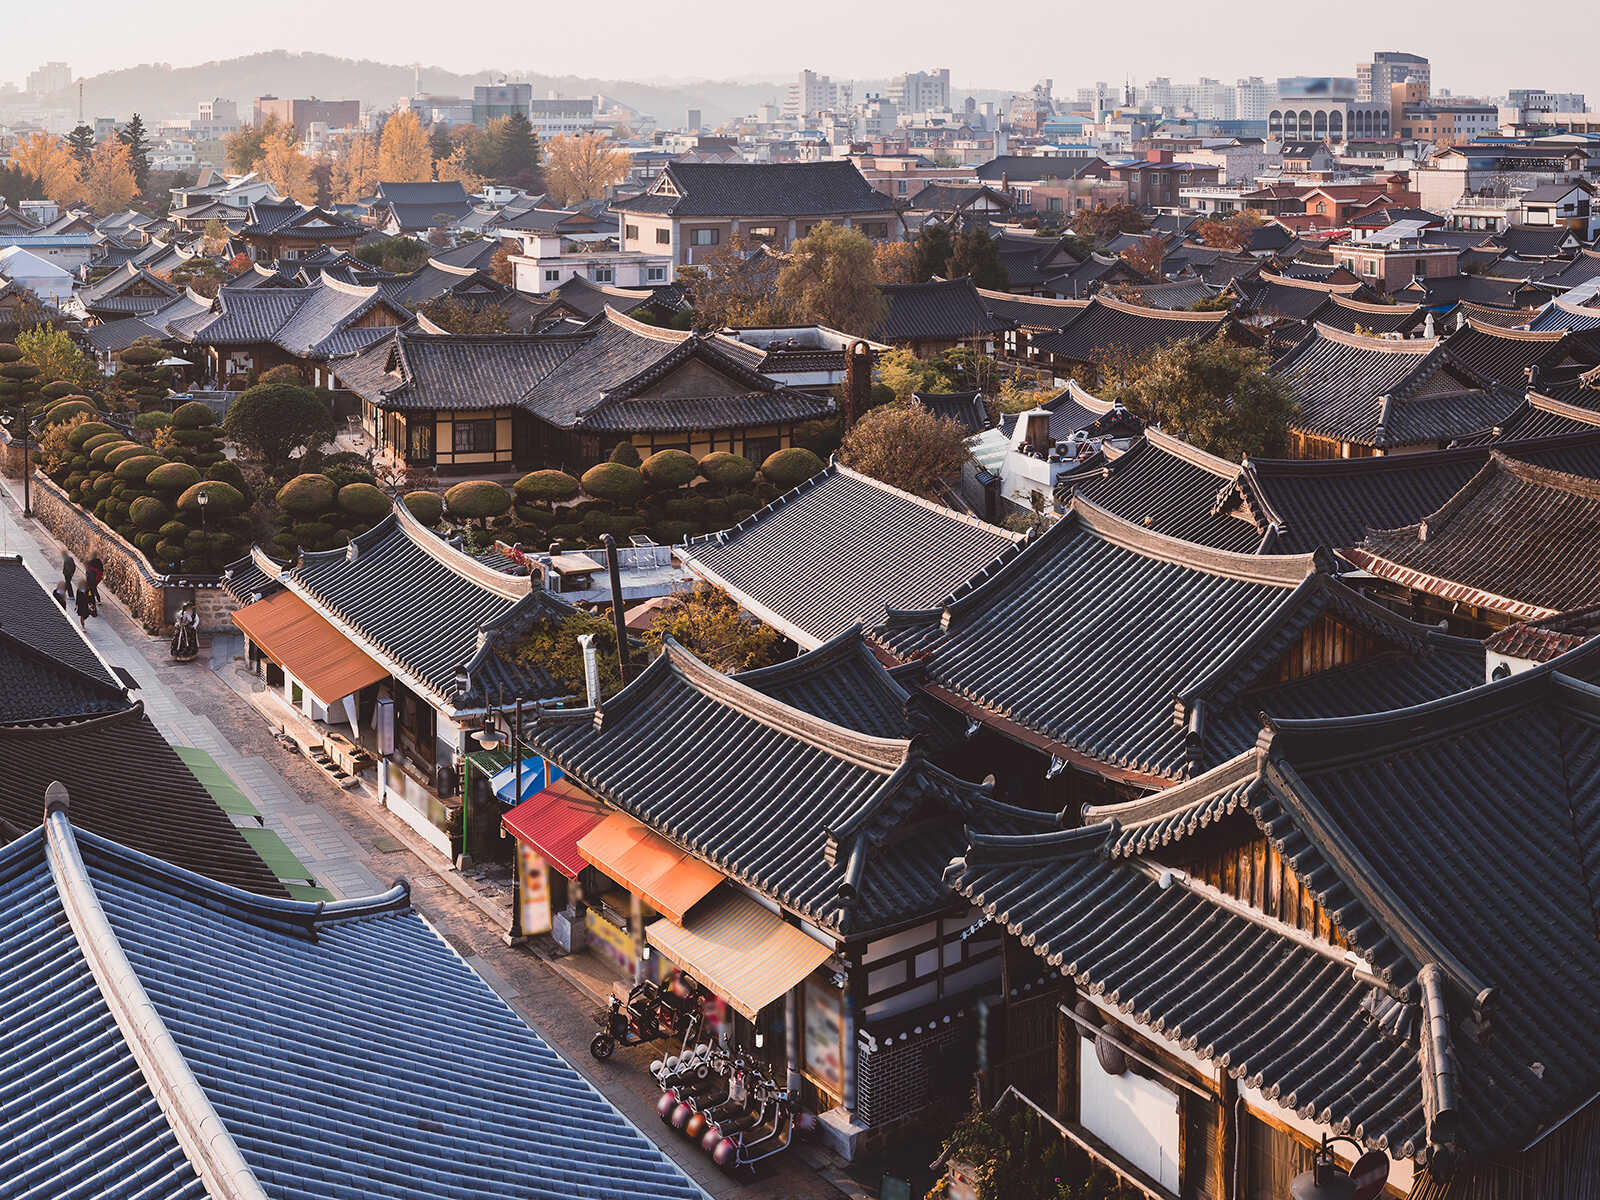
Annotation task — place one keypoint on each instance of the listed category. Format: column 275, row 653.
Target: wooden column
column 1227, row 1138
column 1066, row 1060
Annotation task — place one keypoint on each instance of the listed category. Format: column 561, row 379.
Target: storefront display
column 824, row 1035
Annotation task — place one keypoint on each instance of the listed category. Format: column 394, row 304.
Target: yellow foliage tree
column 581, row 166
column 287, row 169
column 355, row 173
column 454, row 166
column 49, row 160
column 108, row 181
column 404, row 155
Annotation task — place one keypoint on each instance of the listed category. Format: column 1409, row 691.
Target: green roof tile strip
column 280, row 860
column 229, row 798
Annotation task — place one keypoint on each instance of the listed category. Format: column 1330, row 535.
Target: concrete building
column 1252, row 98
column 1529, row 100
column 215, row 118
column 335, row 114
column 1388, row 67
column 811, row 94
column 49, row 77
column 553, row 116
column 490, row 101
column 922, row 91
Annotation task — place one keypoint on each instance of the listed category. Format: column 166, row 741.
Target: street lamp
column 203, row 499
column 1327, row 1180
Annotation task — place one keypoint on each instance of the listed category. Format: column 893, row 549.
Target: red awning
column 553, row 820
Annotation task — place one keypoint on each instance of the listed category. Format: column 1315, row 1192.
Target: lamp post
column 203, row 499
column 1327, row 1180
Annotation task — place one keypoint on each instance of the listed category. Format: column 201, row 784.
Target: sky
column 1471, row 43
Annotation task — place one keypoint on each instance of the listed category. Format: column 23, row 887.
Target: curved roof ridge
column 1042, row 301
column 1170, row 801
column 1550, row 404
column 1087, row 399
column 883, row 755
column 931, row 505
column 1311, row 285
column 427, row 326
column 1189, row 453
column 846, row 643
column 512, row 587
column 1018, row 848
column 1345, row 301
column 640, row 329
column 1193, row 318
column 1489, row 329
column 448, row 268
column 365, row 291
column 206, row 1141
column 1420, row 347
column 1283, row 570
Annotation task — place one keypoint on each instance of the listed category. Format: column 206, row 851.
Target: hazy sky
column 1475, row 45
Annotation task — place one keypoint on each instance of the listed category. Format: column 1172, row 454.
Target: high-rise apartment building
column 921, row 91
column 811, row 94
column 51, row 77
column 1375, row 80
column 1252, row 98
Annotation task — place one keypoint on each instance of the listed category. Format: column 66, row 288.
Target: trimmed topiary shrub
column 787, row 468
column 78, row 436
column 149, row 422
column 546, row 486
column 670, row 533
column 148, row 513
column 316, row 535
column 147, row 542
column 363, row 500
column 627, row 454
column 427, row 507
column 172, row 477
column 286, row 543
column 122, row 453
column 225, row 499
column 669, row 469
column 65, row 410
column 307, row 495
column 727, row 470
column 101, row 485
column 95, row 440
column 137, row 468
column 58, row 389
column 100, row 453
column 615, row 482
column 685, row 508
column 567, row 532
column 193, row 415
column 173, row 531
column 477, row 499
column 227, row 471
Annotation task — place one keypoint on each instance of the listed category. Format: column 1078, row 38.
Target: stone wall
column 152, row 599
column 11, row 456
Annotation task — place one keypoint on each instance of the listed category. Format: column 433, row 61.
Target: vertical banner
column 534, row 889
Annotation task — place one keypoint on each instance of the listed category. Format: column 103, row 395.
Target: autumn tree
column 455, row 166
column 906, row 447
column 501, row 268
column 355, row 172
column 1146, row 255
column 829, row 279
column 735, row 285
column 1231, row 232
column 214, row 237
column 974, row 254
column 50, row 161
column 1222, row 397
column 707, row 623
column 108, row 181
column 455, row 315
column 403, row 152
column 933, row 247
column 904, row 373
column 582, row 166
column 287, row 169
column 896, row 262
column 1104, row 222
column 242, row 148
column 58, row 358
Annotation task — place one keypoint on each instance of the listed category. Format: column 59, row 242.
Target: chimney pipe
column 591, row 668
column 614, row 572
column 857, row 383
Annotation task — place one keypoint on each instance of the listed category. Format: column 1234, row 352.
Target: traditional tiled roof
column 1533, row 241
column 1076, row 410
column 1106, row 326
column 1166, row 485
column 1546, row 638
column 105, row 295
column 288, row 220
column 589, row 299
column 966, row 409
column 1035, row 313
column 47, row 669
column 416, row 370
column 1177, row 295
column 314, row 322
column 1341, row 312
column 1505, row 355
column 255, row 575
column 1105, row 643
column 811, row 189
column 1287, row 298
column 1369, row 811
column 815, row 808
column 1517, row 538
column 840, row 549
column 1542, row 416
column 940, row 310
column 841, row 681
column 1484, row 314
column 425, row 610
column 297, row 1048
column 1333, row 502
column 1563, row 314
column 1383, row 392
column 1031, row 168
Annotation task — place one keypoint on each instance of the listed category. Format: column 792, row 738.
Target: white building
column 1252, row 98
column 922, row 91
column 45, row 280
column 550, row 258
column 811, row 94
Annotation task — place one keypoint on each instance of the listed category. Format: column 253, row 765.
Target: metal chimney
column 591, row 668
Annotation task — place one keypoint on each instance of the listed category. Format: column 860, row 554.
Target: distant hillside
column 159, row 90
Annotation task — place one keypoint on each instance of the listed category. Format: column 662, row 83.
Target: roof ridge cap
column 1144, row 809
column 1348, row 301
column 1190, row 453
column 205, row 1139
column 1511, row 333
column 512, row 587
column 1310, row 285
column 1191, row 318
column 1086, row 399
column 931, row 505
column 653, row 332
column 1565, row 408
column 1420, row 347
column 1281, row 570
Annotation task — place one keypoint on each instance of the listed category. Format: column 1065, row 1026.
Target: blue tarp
column 534, row 770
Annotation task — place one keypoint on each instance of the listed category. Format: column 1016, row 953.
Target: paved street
column 353, row 848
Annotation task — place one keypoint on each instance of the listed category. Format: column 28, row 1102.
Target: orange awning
column 289, row 632
column 739, row 950
column 670, row 880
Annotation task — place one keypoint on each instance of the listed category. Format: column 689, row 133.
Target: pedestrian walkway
column 308, row 831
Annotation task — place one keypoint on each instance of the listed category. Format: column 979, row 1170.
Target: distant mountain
column 159, row 90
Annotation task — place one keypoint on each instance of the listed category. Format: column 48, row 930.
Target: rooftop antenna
column 80, row 102
column 416, row 79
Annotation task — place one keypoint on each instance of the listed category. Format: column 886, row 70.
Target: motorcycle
column 650, row 1011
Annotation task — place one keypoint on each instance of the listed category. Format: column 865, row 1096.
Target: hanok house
column 1361, row 395
column 1100, row 659
column 930, row 318
column 1107, row 329
column 1025, row 317
column 285, row 230
column 397, row 638
column 466, row 402
column 415, row 208
column 1354, row 928
column 253, row 330
column 1520, row 358
column 690, row 209
column 840, row 550
column 779, row 837
column 129, row 291
column 1517, row 542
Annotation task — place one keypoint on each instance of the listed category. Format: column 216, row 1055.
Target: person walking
column 60, row 593
column 92, row 575
column 69, row 568
column 85, row 607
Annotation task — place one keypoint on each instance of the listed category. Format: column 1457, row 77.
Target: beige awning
column 745, row 954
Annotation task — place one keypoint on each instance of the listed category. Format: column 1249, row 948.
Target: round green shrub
column 58, row 389
column 173, row 477
column 153, row 420
column 194, row 439
column 147, row 542
column 148, row 513
column 787, row 468
column 716, row 513
column 363, row 500
column 66, row 410
column 548, row 486
column 169, row 551
column 119, row 454
column 143, row 353
column 615, row 482
column 137, row 468
column 173, row 531
column 102, row 484
column 193, row 415
column 78, row 435
column 477, row 498
column 307, row 495
column 670, row 533
column 224, row 499
column 95, row 440
column 627, row 454
column 685, row 508
column 316, row 535
column 287, row 543
column 427, row 507
column 101, row 452
column 669, row 469
column 566, row 532
column 727, row 470
column 74, row 481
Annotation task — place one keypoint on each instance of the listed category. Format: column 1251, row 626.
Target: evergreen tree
column 975, row 254
column 933, row 252
column 138, row 143
column 81, row 139
column 519, row 149
column 439, row 142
